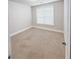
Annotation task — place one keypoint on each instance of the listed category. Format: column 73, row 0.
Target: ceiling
column 34, row 2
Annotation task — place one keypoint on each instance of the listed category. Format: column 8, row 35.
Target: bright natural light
column 45, row 15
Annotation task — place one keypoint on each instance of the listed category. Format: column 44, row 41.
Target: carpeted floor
column 38, row 44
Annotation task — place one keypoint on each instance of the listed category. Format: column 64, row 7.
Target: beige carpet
column 38, row 44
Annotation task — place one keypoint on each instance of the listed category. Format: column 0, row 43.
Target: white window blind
column 45, row 15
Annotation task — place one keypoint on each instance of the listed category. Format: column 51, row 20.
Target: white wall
column 19, row 16
column 58, row 16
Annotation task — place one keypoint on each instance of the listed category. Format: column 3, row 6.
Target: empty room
column 38, row 29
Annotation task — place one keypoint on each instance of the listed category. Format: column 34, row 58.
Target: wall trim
column 15, row 33
column 44, row 28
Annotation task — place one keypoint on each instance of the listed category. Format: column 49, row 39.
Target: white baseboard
column 44, row 28
column 20, row 31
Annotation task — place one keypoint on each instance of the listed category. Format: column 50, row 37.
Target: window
column 45, row 15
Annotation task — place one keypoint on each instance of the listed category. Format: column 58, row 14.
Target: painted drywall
column 58, row 16
column 9, row 46
column 19, row 16
column 67, row 31
column 34, row 2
